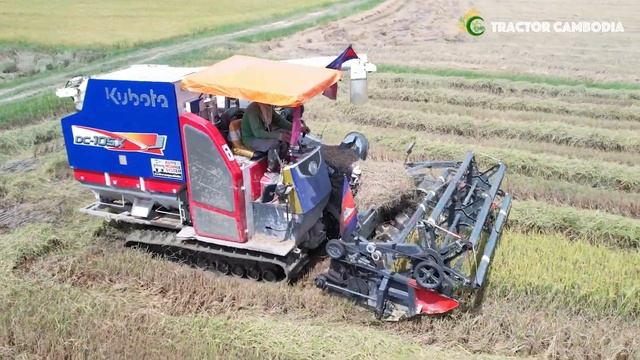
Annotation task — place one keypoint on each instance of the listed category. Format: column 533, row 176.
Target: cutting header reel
column 430, row 252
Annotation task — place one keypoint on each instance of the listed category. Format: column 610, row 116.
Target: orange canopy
column 265, row 81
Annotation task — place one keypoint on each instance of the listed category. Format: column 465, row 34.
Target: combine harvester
column 159, row 147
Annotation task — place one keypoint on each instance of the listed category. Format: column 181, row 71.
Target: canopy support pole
column 296, row 128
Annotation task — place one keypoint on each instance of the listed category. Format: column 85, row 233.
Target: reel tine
column 451, row 188
column 489, row 197
column 492, row 241
column 446, row 196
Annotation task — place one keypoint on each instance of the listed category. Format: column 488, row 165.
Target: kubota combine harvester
column 159, row 147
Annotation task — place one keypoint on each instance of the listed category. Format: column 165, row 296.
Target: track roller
column 238, row 270
column 253, row 272
column 271, row 273
column 225, row 260
column 223, row 267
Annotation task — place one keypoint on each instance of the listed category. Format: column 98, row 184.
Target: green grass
column 531, row 78
column 117, row 48
column 596, row 227
column 160, row 21
column 571, row 194
column 202, row 57
column 26, row 111
column 278, row 33
column 581, row 276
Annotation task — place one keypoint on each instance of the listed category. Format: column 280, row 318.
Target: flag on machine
column 336, row 64
column 349, row 214
column 346, row 55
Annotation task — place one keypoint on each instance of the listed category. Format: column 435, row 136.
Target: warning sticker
column 171, row 169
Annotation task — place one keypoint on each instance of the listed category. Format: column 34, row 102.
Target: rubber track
column 212, row 254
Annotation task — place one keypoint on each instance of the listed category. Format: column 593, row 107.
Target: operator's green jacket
column 253, row 127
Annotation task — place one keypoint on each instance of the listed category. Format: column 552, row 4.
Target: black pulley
column 335, row 249
column 428, row 274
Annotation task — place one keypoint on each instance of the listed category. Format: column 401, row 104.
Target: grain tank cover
column 128, row 124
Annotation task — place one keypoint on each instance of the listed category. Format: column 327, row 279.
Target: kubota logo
column 129, row 97
column 147, row 143
column 472, row 23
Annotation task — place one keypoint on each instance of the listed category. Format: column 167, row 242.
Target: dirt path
column 427, row 34
column 149, row 55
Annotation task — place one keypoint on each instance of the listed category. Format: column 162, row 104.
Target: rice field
column 574, row 229
column 599, row 174
column 33, row 109
column 126, row 23
column 544, row 266
column 560, row 222
column 529, row 310
column 549, row 132
column 568, row 259
column 565, row 282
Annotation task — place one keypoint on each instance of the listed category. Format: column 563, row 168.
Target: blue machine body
column 128, row 128
column 311, row 189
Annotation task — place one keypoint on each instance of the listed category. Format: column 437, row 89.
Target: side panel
column 256, row 171
column 128, row 128
column 151, row 185
column 214, row 181
column 311, row 182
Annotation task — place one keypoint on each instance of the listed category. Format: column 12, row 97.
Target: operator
column 263, row 128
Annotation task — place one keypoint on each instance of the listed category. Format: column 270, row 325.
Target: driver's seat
column 235, row 137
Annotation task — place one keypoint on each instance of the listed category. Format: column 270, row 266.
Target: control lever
column 283, row 191
column 274, row 162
